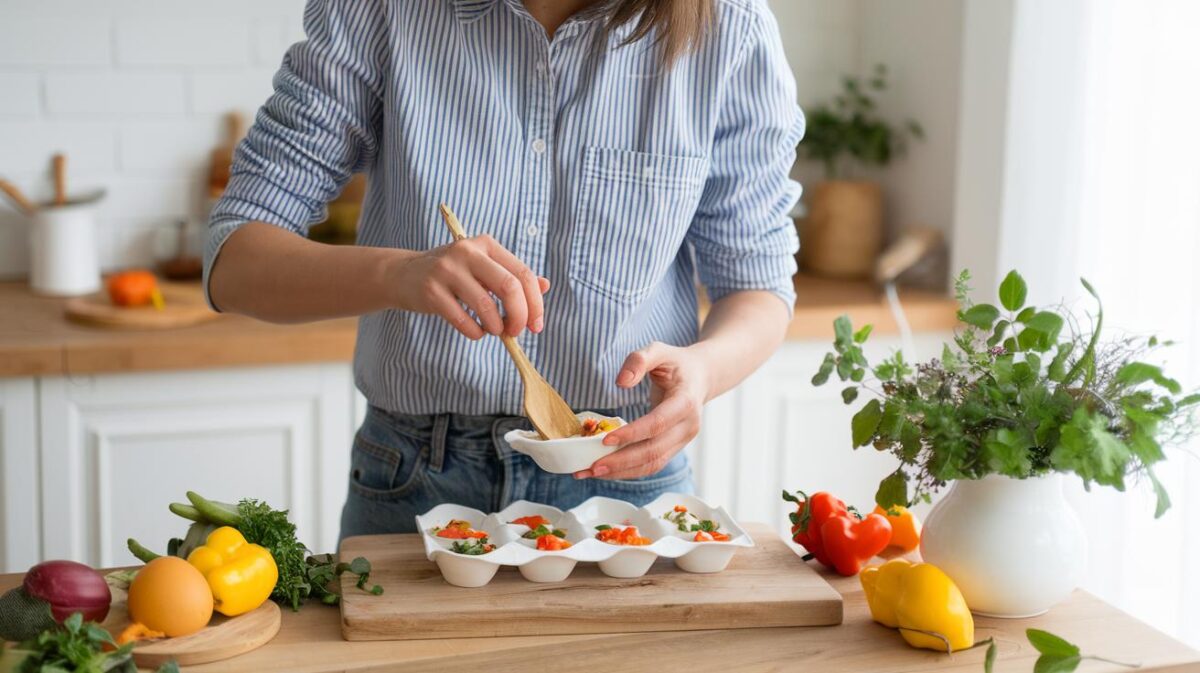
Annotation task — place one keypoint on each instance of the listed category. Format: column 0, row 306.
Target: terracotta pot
column 842, row 235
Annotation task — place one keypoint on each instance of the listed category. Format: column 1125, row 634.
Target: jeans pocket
column 386, row 466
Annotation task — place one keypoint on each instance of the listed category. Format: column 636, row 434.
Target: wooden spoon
column 550, row 414
column 18, row 198
column 60, row 179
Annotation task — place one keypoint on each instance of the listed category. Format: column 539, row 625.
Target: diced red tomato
column 702, row 536
column 532, row 521
column 459, row 530
column 681, row 509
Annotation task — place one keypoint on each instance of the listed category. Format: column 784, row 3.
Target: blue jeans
column 402, row 466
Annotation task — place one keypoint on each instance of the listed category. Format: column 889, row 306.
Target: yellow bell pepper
column 241, row 575
column 920, row 600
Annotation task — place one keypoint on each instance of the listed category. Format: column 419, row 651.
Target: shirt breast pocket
column 633, row 211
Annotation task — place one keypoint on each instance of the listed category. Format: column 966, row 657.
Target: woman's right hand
column 475, row 271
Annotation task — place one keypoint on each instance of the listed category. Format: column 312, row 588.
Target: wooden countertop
column 310, row 641
column 37, row 340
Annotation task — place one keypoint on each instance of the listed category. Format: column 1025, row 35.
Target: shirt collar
column 471, row 10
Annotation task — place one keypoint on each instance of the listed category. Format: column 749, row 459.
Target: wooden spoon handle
column 14, row 193
column 60, row 179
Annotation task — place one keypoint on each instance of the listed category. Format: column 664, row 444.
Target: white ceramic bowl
column 562, row 456
column 580, row 525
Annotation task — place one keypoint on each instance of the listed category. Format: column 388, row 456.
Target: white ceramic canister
column 1014, row 547
column 64, row 259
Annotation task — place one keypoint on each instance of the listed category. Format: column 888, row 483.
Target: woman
column 603, row 153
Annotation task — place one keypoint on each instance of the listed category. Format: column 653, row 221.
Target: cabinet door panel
column 117, row 449
column 20, row 534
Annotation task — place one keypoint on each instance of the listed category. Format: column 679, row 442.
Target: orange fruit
column 171, row 596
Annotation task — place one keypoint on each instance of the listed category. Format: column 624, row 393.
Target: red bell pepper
column 811, row 514
column 851, row 542
column 837, row 537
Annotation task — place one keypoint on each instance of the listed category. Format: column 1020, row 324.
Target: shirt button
column 532, row 230
column 541, row 68
column 539, row 146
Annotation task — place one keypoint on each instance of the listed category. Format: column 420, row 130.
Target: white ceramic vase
column 1014, row 547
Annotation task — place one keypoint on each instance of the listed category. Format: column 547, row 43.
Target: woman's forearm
column 741, row 332
column 271, row 274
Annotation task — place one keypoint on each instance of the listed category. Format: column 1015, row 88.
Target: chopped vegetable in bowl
column 592, row 426
column 458, row 530
column 706, row 530
column 532, row 521
column 474, row 546
column 622, row 536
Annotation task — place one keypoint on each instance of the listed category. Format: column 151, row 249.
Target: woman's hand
column 476, row 271
column 679, row 387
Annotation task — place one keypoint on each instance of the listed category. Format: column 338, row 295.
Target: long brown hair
column 682, row 25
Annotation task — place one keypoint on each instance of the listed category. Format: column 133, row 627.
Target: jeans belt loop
column 437, row 449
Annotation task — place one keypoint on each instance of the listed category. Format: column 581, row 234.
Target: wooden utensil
column 551, row 416
column 221, row 160
column 764, row 586
column 17, row 197
column 60, row 179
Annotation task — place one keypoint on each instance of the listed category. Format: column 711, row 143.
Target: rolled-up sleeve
column 742, row 234
column 320, row 126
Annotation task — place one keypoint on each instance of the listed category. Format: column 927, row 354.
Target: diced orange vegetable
column 623, row 536
column 459, row 530
column 135, row 632
column 552, row 543
column 681, row 509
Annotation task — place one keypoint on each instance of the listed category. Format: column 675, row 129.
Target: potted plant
column 1021, row 396
column 842, row 235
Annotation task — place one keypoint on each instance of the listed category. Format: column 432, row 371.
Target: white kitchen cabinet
column 116, row 449
column 20, row 536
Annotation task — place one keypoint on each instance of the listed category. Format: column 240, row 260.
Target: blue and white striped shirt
column 619, row 181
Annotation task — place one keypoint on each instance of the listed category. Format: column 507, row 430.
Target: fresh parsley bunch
column 1021, row 392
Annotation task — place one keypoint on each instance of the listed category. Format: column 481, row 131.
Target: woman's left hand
column 679, row 387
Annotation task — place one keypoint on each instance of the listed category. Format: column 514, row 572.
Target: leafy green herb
column 989, row 659
column 1021, row 392
column 78, row 646
column 472, row 546
column 271, row 528
column 851, row 127
column 603, row 526
column 542, row 531
column 1057, row 655
column 323, row 569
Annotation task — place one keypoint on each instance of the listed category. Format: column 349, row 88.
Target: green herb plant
column 1022, row 391
column 77, row 646
column 852, row 128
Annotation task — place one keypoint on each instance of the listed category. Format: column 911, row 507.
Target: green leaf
column 858, row 375
column 1012, row 291
column 169, row 667
column 74, row 622
column 1048, row 643
column 360, row 566
column 865, row 422
column 981, row 316
column 1049, row 663
column 1008, row 453
column 892, row 421
column 1047, row 323
column 861, row 335
column 842, row 330
column 1162, row 500
column 1136, row 373
column 998, row 333
column 893, row 490
column 826, row 369
column 989, row 659
column 1058, row 366
column 849, row 394
column 1026, row 314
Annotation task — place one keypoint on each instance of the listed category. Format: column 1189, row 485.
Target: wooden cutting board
column 767, row 585
column 184, row 305
column 223, row 638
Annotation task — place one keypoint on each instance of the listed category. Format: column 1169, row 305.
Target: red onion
column 69, row 587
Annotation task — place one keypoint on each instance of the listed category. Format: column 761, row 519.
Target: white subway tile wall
column 134, row 92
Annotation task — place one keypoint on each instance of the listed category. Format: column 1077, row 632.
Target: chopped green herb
column 472, row 546
column 603, row 526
